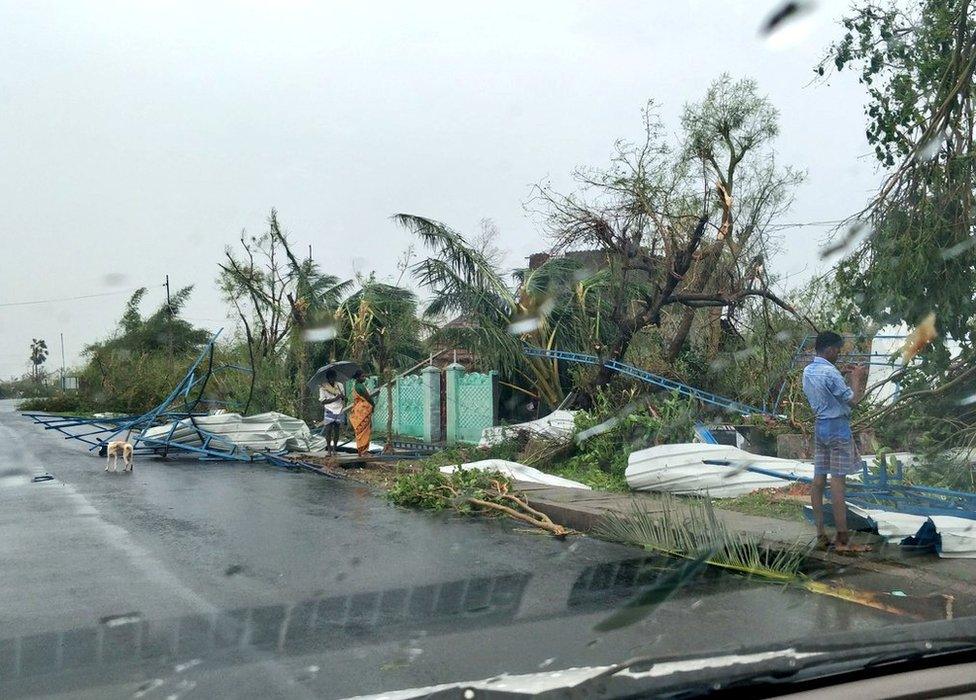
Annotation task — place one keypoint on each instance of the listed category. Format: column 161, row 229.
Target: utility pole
column 168, row 307
column 62, row 363
column 310, row 252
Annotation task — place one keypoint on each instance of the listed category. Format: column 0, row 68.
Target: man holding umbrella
column 332, row 396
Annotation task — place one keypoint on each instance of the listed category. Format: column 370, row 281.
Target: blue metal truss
column 179, row 410
column 887, row 492
column 649, row 378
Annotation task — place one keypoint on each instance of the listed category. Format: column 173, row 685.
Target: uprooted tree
column 681, row 226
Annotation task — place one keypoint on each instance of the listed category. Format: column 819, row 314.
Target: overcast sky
column 139, row 138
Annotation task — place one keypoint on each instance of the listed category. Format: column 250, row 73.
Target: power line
column 84, row 296
column 832, row 222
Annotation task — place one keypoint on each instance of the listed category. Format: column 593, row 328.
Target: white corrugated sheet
column 684, row 469
column 263, row 432
column 518, row 472
column 958, row 534
column 557, row 425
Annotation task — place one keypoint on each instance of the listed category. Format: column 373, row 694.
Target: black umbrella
column 344, row 369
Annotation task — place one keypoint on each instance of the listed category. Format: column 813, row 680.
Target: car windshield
column 355, row 349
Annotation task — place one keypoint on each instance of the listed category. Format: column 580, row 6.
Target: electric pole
column 168, row 306
column 62, row 363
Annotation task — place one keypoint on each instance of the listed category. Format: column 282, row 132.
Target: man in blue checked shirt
column 833, row 443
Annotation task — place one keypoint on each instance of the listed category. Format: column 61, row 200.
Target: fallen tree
column 469, row 492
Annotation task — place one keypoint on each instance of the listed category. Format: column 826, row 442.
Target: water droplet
column 603, row 427
column 114, row 279
column 524, row 325
column 14, row 477
column 119, row 620
column 148, row 687
column 319, row 335
column 930, row 148
column 179, row 668
column 958, row 249
column 789, row 24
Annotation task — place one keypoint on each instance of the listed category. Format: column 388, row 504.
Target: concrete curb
column 922, row 578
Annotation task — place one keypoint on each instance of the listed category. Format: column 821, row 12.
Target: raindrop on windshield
column 114, row 279
column 958, row 249
column 930, row 148
column 319, row 335
column 857, row 232
column 789, row 24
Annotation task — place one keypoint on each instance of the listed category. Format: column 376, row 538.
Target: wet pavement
column 192, row 579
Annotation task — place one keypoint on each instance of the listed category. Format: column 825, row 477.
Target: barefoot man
column 833, row 444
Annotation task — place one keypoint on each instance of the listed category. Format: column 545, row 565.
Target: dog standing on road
column 112, row 452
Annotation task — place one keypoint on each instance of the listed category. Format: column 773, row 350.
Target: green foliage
column 558, row 304
column 25, row 387
column 134, row 369
column 57, row 403
column 163, row 331
column 630, row 244
column 380, row 328
column 607, row 434
column 765, row 503
column 948, row 469
column 587, row 472
column 509, row 450
column 429, row 489
column 273, row 291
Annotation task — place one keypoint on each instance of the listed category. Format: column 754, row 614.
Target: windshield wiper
column 801, row 663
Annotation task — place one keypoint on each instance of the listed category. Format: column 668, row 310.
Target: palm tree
column 557, row 305
column 38, row 355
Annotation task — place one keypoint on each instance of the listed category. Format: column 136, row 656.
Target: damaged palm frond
column 468, row 491
column 688, row 527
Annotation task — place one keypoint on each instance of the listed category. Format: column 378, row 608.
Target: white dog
column 115, row 448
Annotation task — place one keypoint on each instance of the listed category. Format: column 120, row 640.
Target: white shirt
column 332, row 397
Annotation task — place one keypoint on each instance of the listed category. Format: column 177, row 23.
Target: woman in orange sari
column 361, row 413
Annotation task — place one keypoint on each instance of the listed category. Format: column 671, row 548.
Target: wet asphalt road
column 189, row 579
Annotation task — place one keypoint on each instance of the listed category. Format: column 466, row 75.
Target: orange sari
column 361, row 419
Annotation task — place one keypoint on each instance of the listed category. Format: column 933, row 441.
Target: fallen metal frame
column 649, row 378
column 884, row 492
column 98, row 432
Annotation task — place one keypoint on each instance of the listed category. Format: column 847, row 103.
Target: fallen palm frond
column 468, row 491
column 689, row 529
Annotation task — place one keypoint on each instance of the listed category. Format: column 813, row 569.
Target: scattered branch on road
column 468, row 491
